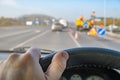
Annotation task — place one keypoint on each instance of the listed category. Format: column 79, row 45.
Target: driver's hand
column 26, row 66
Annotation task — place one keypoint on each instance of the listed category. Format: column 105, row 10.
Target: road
column 43, row 37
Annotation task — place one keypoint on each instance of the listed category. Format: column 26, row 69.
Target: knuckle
column 61, row 66
column 13, row 57
column 26, row 58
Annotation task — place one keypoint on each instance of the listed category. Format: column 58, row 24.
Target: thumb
column 57, row 66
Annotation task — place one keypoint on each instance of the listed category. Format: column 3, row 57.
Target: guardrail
column 114, row 35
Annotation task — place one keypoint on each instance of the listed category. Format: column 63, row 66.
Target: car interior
column 86, row 63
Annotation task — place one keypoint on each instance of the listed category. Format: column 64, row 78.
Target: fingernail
column 34, row 51
column 65, row 55
column 31, row 50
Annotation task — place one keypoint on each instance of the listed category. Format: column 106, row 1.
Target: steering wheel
column 87, row 57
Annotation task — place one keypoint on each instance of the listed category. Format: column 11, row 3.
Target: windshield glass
column 59, row 24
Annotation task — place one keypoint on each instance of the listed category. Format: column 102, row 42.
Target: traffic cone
column 76, row 36
column 92, row 32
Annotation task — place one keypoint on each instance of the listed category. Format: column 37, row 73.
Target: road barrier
column 114, row 35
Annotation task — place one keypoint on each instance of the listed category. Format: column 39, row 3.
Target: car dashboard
column 90, row 73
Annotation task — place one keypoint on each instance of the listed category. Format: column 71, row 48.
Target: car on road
column 57, row 26
column 64, row 23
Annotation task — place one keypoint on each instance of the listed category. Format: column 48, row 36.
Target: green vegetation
column 110, row 21
column 21, row 21
column 9, row 21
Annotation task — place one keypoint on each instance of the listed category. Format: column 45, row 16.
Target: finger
column 35, row 53
column 1, row 62
column 57, row 66
column 12, row 58
column 31, row 58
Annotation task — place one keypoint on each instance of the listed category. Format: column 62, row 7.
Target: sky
column 68, row 9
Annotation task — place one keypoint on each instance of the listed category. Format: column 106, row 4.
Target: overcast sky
column 69, row 9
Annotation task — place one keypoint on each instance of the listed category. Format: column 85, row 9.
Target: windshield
column 59, row 24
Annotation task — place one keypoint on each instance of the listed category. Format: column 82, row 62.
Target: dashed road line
column 31, row 39
column 13, row 34
column 76, row 42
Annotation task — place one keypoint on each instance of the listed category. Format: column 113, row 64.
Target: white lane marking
column 27, row 41
column 76, row 42
column 37, row 31
column 13, row 34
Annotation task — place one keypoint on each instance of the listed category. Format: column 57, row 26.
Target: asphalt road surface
column 43, row 37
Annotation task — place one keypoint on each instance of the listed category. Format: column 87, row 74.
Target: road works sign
column 85, row 25
column 101, row 31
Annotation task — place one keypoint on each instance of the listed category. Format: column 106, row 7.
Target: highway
column 43, row 37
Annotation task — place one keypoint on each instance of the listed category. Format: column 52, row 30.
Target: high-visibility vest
column 79, row 23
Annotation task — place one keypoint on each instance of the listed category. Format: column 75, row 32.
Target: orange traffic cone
column 92, row 32
column 101, row 26
column 76, row 36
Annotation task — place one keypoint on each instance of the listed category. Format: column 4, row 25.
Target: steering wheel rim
column 87, row 56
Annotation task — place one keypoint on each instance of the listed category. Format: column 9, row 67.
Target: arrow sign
column 85, row 25
column 101, row 31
